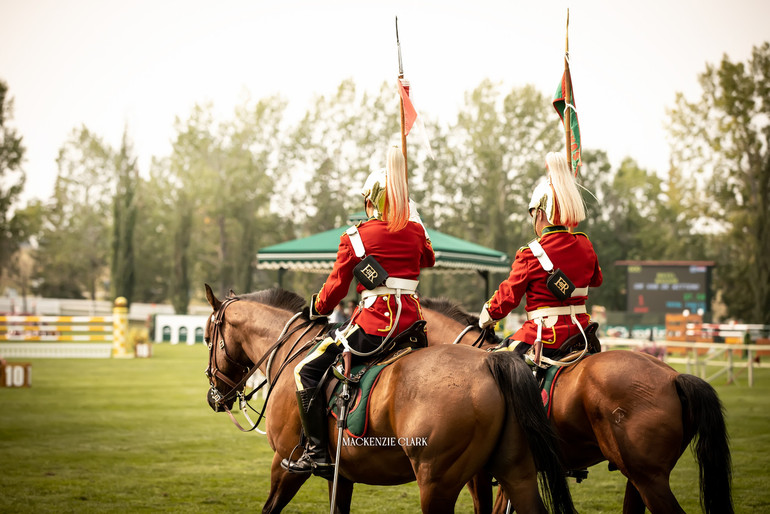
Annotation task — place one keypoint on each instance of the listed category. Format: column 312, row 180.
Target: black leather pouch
column 370, row 273
column 560, row 285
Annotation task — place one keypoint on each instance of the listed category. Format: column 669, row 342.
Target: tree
column 722, row 140
column 633, row 214
column 605, row 212
column 154, row 249
column 341, row 138
column 333, row 148
column 221, row 177
column 124, row 212
column 503, row 143
column 180, row 278
column 11, row 178
column 490, row 160
column 73, row 253
column 19, row 272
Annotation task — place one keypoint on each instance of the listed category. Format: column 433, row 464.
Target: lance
column 401, row 100
column 567, row 93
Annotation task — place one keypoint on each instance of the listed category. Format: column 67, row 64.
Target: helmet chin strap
column 534, row 221
column 374, row 191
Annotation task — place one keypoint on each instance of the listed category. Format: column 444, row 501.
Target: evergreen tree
column 123, row 222
column 12, row 178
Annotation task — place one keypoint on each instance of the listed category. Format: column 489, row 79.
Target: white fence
column 699, row 357
column 57, row 336
column 56, row 350
column 67, row 307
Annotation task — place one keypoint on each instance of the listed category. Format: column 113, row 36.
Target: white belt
column 392, row 285
column 579, row 291
column 564, row 310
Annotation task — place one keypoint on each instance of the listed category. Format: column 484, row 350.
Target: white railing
column 56, row 350
column 56, row 336
column 67, row 307
column 700, row 356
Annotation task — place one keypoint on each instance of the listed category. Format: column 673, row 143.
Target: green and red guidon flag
column 564, row 103
column 564, row 99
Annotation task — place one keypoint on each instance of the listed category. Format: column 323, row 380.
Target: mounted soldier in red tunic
column 553, row 272
column 385, row 253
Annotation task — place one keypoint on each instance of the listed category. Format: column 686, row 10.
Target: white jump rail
column 56, row 336
column 696, row 362
column 56, row 350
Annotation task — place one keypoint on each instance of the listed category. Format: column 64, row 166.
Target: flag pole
column 567, row 94
column 401, row 100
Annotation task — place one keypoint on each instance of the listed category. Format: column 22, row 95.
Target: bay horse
column 475, row 411
column 624, row 407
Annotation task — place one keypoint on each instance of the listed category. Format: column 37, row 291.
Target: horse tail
column 523, row 401
column 703, row 417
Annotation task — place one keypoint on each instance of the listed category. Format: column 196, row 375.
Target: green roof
column 318, row 252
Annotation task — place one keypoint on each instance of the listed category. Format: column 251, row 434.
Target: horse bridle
column 217, row 341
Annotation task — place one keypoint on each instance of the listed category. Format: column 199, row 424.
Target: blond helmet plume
column 560, row 197
column 389, row 192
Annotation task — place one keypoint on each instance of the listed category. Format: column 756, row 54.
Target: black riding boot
column 316, row 457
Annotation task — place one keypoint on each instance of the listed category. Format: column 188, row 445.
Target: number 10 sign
column 16, row 374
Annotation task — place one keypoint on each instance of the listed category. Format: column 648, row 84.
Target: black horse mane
column 450, row 309
column 278, row 298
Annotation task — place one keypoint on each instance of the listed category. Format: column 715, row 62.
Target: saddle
column 576, row 343
column 364, row 375
column 572, row 347
column 413, row 337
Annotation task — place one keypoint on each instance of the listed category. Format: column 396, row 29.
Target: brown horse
column 474, row 411
column 630, row 409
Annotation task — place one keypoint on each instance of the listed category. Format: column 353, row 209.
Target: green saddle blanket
column 358, row 414
column 549, row 381
column 546, row 390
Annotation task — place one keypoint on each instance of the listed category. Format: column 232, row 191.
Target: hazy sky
column 139, row 64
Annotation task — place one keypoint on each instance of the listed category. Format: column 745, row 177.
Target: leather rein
column 217, row 342
column 480, row 340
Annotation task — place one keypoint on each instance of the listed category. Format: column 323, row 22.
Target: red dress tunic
column 401, row 253
column 570, row 252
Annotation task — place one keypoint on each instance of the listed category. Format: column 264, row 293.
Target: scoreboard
column 668, row 287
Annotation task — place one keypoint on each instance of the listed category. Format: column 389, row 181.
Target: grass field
column 136, row 435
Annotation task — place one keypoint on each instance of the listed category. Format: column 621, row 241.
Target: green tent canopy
column 315, row 253
column 318, row 252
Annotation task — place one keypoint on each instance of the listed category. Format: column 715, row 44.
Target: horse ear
column 231, row 293
column 215, row 304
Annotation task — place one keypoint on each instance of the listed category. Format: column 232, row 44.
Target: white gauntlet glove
column 314, row 314
column 485, row 320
